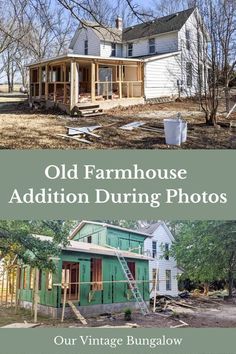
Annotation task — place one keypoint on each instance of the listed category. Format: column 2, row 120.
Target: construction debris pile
column 186, row 302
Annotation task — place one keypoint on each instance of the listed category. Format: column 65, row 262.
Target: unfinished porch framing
column 73, row 80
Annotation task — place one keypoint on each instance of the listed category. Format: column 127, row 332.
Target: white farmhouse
column 173, row 49
column 163, row 264
column 166, row 57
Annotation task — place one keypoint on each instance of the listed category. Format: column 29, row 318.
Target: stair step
column 87, row 107
column 92, row 114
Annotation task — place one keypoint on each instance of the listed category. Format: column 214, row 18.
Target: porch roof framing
column 90, row 58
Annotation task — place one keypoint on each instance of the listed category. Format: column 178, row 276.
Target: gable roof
column 84, row 222
column 150, row 229
column 103, row 33
column 109, row 34
column 170, row 23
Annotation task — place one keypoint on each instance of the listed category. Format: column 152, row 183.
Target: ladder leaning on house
column 132, row 283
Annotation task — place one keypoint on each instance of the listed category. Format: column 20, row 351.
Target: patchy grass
column 8, row 316
column 21, row 128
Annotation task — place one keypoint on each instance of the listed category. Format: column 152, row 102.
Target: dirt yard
column 207, row 313
column 22, row 128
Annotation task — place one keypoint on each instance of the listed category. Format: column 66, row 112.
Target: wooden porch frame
column 50, row 94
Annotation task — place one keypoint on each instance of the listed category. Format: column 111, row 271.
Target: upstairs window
column 154, row 249
column 152, row 46
column 86, row 47
column 130, row 49
column 168, row 280
column 166, row 251
column 189, row 74
column 187, row 35
column 113, row 49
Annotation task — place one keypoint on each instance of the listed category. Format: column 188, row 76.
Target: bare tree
column 227, row 42
column 9, row 66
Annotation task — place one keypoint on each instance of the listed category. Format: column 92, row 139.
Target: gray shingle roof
column 106, row 34
column 173, row 22
column 149, row 229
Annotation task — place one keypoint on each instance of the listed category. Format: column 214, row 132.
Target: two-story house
column 171, row 47
column 90, row 271
column 165, row 57
column 163, row 268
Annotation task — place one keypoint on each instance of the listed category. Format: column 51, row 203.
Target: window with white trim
column 86, row 47
column 130, row 49
column 187, row 36
column 154, row 249
column 152, row 46
column 113, row 49
column 168, row 280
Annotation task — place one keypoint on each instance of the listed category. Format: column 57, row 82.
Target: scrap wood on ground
column 196, row 311
column 22, row 128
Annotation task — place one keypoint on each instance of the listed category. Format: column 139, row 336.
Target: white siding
column 164, row 43
column 191, row 55
column 93, row 42
column 160, row 77
column 106, row 49
column 161, row 236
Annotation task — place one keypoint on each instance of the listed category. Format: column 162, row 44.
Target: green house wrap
column 89, row 270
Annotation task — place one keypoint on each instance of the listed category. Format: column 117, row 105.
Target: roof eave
column 162, row 56
column 146, row 37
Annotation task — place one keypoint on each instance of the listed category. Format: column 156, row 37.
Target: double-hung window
column 130, row 49
column 86, row 47
column 152, row 46
column 113, row 49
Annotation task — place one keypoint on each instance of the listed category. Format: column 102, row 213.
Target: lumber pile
column 168, row 304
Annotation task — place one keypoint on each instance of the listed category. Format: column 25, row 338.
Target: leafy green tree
column 207, row 250
column 17, row 238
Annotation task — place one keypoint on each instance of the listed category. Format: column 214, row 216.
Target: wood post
column 65, row 295
column 142, row 79
column 40, row 82
column 12, row 287
column 7, row 281
column 36, row 295
column 155, row 292
column 17, row 287
column 21, row 284
column 2, row 284
column 54, row 92
column 30, row 86
column 46, row 82
column 120, row 81
column 64, row 79
column 74, row 84
column 93, row 75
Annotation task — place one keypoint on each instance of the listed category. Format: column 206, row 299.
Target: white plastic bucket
column 175, row 131
column 184, row 132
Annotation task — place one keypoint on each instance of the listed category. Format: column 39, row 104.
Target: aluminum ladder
column 132, row 283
